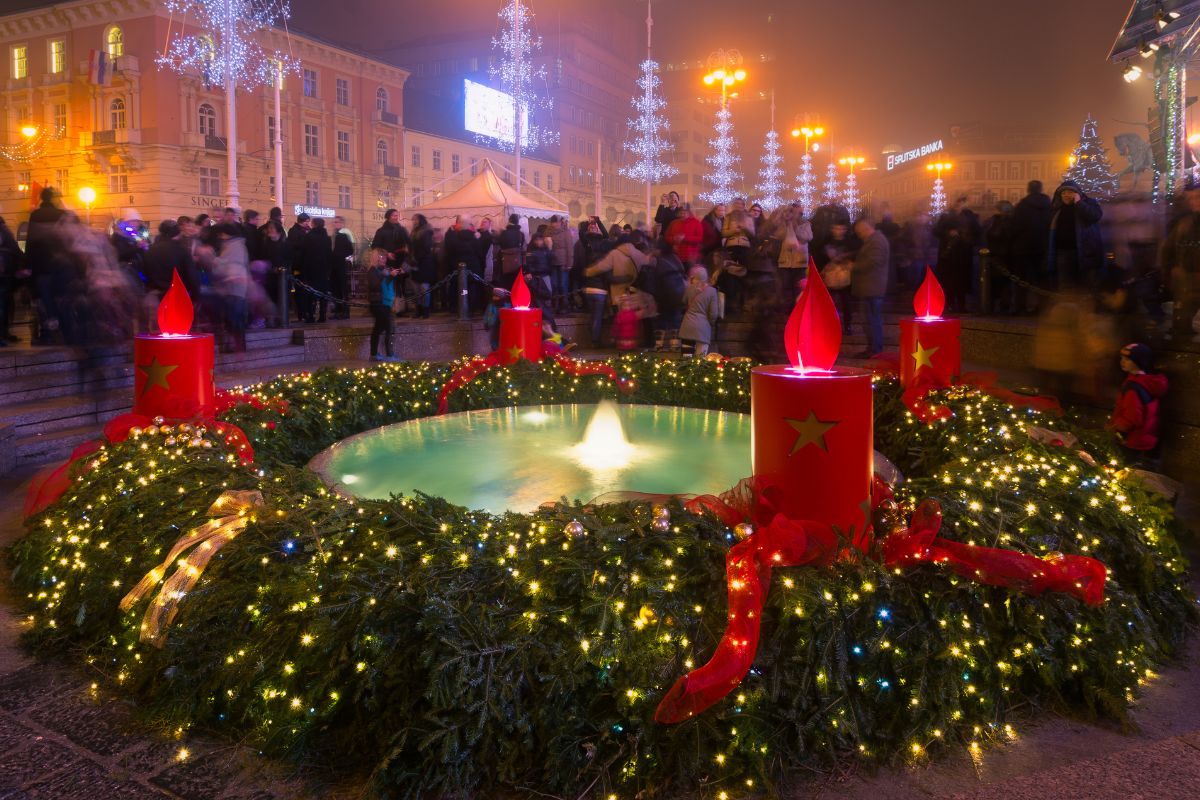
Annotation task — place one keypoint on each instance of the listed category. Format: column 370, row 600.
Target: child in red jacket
column 1135, row 420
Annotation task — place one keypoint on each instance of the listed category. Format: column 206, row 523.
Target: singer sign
column 897, row 159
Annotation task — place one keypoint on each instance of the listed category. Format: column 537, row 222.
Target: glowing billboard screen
column 490, row 113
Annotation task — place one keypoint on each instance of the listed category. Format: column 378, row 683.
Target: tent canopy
column 485, row 195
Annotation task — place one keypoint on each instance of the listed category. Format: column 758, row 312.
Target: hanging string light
column 225, row 47
column 31, row 145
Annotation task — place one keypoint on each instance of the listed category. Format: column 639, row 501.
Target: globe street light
column 87, row 196
column 725, row 70
column 29, row 131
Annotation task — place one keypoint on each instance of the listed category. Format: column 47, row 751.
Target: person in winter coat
column 424, row 263
column 869, row 280
column 539, row 269
column 998, row 234
column 276, row 253
column 392, row 237
column 562, row 251
column 794, row 233
column 1136, row 417
column 666, row 279
column 316, row 267
column 231, row 277
column 714, row 224
column 1181, row 265
column 668, row 211
column 685, row 234
column 11, row 266
column 702, row 310
column 1030, row 237
column 342, row 264
column 381, row 293
column 737, row 236
column 168, row 254
column 621, row 265
column 1075, row 256
column 511, row 243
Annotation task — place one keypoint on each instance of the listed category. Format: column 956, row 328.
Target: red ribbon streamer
column 789, row 543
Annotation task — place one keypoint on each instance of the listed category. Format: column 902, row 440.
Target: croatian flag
column 99, row 68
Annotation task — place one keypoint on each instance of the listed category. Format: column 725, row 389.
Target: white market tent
column 486, row 195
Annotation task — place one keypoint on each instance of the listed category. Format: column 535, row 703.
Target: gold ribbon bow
column 204, row 542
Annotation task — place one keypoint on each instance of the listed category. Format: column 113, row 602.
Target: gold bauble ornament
column 170, row 441
column 135, row 431
column 660, row 511
column 159, row 420
column 743, row 531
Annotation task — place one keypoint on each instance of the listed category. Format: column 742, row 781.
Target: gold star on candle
column 515, row 351
column 924, row 356
column 811, row 431
column 156, row 374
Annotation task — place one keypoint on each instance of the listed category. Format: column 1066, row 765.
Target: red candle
column 520, row 327
column 929, row 345
column 173, row 371
column 812, row 424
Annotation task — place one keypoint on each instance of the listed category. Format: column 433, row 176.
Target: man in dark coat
column 393, row 238
column 1075, row 256
column 343, row 263
column 168, row 253
column 316, row 266
column 868, row 282
column 1030, row 237
column 49, row 269
column 511, row 242
column 295, row 238
column 11, row 264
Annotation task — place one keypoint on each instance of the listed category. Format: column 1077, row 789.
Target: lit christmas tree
column 1090, row 168
column 832, row 186
column 224, row 52
column 650, row 145
column 806, row 189
column 770, row 186
column 850, row 197
column 937, row 201
column 516, row 45
column 723, row 177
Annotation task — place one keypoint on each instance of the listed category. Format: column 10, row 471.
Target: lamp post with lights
column 805, row 179
column 937, row 203
column 725, row 70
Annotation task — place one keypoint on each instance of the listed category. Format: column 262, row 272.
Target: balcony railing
column 389, row 170
column 386, row 117
column 214, row 142
column 104, row 137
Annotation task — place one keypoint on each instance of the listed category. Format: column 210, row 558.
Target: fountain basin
column 515, row 459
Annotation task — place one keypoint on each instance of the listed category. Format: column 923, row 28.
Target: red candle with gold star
column 173, row 371
column 929, row 345
column 812, row 423
column 520, row 327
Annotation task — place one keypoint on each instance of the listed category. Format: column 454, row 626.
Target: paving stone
column 36, row 684
column 106, row 728
column 13, row 734
column 201, row 778
column 158, row 755
column 91, row 782
column 21, row 767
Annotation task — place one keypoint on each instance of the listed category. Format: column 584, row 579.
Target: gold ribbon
column 204, row 542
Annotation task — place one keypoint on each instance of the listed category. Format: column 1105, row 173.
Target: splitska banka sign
column 896, row 159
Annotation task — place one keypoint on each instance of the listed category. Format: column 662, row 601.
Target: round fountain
column 515, row 459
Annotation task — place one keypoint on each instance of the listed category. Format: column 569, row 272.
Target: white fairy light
column 832, row 186
column 224, row 49
column 650, row 144
column 770, row 187
column 516, row 44
column 806, row 185
column 722, row 159
column 850, row 197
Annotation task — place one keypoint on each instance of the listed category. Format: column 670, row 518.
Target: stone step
column 53, row 446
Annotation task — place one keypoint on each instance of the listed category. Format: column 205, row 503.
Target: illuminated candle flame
column 930, row 300
column 813, row 334
column 175, row 309
column 520, row 292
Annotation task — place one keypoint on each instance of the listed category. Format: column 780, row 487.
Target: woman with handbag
column 839, row 252
column 794, row 233
column 737, row 234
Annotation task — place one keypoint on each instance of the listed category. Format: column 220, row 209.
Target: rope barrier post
column 464, row 310
column 285, row 291
column 985, row 281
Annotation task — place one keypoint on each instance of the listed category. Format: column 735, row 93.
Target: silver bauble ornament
column 743, row 530
column 574, row 529
column 661, row 524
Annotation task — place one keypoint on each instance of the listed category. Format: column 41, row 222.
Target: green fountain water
column 518, row 458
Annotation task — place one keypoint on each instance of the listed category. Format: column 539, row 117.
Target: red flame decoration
column 520, row 292
column 930, row 300
column 813, row 334
column 175, row 309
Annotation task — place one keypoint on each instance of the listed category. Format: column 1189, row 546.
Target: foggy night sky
column 873, row 71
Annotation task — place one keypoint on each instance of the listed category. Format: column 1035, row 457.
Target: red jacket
column 686, row 235
column 1136, row 416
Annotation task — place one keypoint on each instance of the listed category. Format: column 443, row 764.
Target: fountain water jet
column 604, row 447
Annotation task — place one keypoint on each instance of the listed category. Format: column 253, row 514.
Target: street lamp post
column 87, row 196
column 726, row 71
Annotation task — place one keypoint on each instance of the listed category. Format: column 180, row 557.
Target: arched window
column 208, row 120
column 381, row 152
column 114, row 41
column 381, row 99
column 116, row 112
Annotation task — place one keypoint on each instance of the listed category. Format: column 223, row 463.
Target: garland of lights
column 806, row 185
column 226, row 47
column 30, row 148
column 357, row 629
column 832, row 186
column 517, row 45
column 650, row 146
column 770, row 187
column 722, row 159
